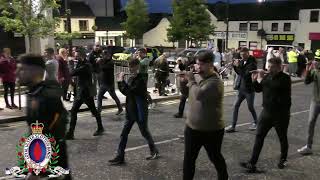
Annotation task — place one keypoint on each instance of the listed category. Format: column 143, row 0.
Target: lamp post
column 68, row 13
column 227, row 22
column 261, row 1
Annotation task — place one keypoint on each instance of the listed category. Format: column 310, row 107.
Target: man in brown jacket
column 204, row 125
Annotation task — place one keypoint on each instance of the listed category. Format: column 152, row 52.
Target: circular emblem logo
column 37, row 151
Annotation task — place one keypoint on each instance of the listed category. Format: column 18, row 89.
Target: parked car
column 195, row 51
column 125, row 55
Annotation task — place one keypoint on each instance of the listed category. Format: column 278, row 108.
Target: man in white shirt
column 52, row 65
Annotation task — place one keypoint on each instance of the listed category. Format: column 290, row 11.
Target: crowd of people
column 48, row 78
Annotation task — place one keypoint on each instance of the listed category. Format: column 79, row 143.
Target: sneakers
column 153, row 156
column 178, row 115
column 249, row 166
column 253, row 127
column 230, row 129
column 99, row 132
column 282, row 163
column 118, row 160
column 305, row 150
column 13, row 106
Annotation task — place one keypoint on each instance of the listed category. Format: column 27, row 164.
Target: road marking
column 295, row 113
column 143, row 146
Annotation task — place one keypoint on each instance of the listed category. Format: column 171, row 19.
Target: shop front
column 315, row 41
column 280, row 39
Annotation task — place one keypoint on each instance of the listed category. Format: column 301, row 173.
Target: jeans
column 250, row 102
column 102, row 90
column 7, row 86
column 183, row 99
column 212, row 142
column 267, row 120
column 313, row 115
column 131, row 118
column 89, row 101
column 293, row 67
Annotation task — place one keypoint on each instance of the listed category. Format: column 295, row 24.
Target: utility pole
column 227, row 22
column 68, row 14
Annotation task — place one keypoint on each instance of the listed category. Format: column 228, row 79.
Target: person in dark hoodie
column 44, row 102
column 136, row 94
column 276, row 88
column 106, row 79
column 85, row 94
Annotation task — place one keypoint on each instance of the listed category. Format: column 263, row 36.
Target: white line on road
column 143, row 146
column 295, row 113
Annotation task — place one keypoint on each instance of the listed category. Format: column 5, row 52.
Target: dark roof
column 114, row 23
column 109, row 23
column 78, row 9
column 255, row 11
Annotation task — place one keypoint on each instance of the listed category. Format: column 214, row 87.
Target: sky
column 164, row 6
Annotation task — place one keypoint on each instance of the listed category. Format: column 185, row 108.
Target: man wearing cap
column 44, row 102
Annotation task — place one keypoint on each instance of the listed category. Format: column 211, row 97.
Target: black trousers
column 267, row 120
column 182, row 104
column 102, row 90
column 89, row 101
column 141, row 117
column 212, row 142
column 9, row 86
column 65, row 87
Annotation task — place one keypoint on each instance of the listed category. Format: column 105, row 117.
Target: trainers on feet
column 250, row 167
column 282, row 163
column 305, row 150
column 99, row 132
column 253, row 127
column 13, row 106
column 177, row 115
column 230, row 129
column 119, row 111
column 153, row 156
column 116, row 161
column 70, row 135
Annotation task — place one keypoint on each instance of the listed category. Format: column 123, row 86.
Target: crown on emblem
column 37, row 128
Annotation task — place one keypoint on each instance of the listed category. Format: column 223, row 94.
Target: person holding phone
column 275, row 86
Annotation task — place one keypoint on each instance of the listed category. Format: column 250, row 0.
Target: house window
column 274, row 27
column 65, row 25
column 314, row 16
column 243, row 27
column 287, row 27
column 83, row 25
column 253, row 45
column 242, row 44
column 253, row 26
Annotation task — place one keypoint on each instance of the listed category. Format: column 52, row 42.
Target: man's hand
column 258, row 75
column 120, row 76
column 236, row 62
column 190, row 76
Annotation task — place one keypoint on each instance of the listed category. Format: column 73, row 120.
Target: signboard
column 280, row 37
column 232, row 35
column 314, row 36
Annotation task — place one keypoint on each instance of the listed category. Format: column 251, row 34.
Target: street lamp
column 262, row 31
column 227, row 21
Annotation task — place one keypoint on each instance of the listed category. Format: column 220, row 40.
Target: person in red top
column 8, row 69
column 63, row 72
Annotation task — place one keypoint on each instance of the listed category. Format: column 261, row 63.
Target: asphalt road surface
column 89, row 155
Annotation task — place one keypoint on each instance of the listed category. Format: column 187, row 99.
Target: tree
column 137, row 21
column 191, row 21
column 29, row 18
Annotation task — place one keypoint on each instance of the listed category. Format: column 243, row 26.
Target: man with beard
column 44, row 103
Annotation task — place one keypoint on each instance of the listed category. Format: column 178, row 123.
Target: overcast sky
column 164, row 6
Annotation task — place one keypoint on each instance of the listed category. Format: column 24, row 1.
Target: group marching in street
column 199, row 80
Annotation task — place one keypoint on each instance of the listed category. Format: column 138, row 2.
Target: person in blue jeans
column 243, row 84
column 136, row 94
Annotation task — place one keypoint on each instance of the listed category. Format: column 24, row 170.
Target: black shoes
column 69, row 135
column 282, row 163
column 99, row 132
column 178, row 115
column 119, row 111
column 154, row 155
column 249, row 166
column 118, row 160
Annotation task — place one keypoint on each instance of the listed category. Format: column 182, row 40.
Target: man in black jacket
column 44, row 102
column 136, row 94
column 106, row 79
column 276, row 89
column 85, row 94
column 244, row 86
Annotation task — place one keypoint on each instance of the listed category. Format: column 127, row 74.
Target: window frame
column 251, row 29
column 311, row 20
column 274, row 30
column 246, row 29
column 284, row 27
column 87, row 25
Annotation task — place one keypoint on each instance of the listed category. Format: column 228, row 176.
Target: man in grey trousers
column 313, row 75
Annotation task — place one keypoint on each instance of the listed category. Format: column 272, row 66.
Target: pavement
column 89, row 155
